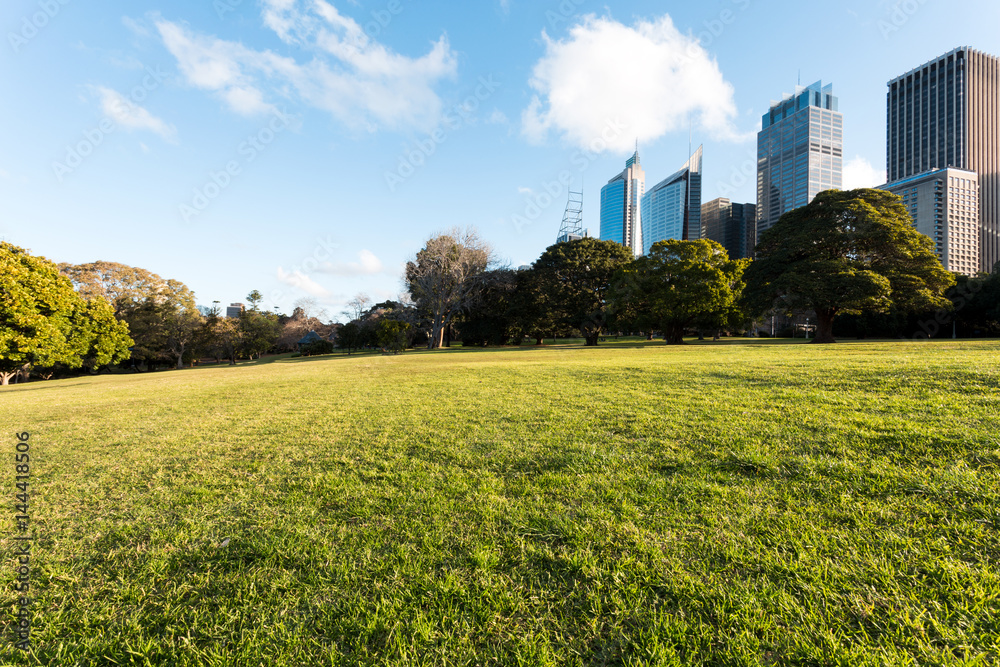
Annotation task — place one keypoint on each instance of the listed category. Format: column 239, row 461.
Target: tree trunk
column 592, row 339
column 539, row 340
column 824, row 327
column 5, row 379
column 180, row 358
column 674, row 335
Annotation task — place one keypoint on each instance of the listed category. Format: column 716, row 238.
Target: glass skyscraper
column 944, row 114
column 621, row 217
column 800, row 152
column 672, row 209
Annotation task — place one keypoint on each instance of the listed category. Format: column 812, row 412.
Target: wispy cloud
column 131, row 116
column 358, row 80
column 301, row 281
column 649, row 76
column 367, row 265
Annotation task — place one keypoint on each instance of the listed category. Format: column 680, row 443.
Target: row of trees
column 851, row 253
column 82, row 318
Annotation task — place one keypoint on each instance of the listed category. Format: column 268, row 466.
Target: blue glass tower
column 800, row 152
column 621, row 217
column 672, row 209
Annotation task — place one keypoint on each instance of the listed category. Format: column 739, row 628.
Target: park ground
column 737, row 503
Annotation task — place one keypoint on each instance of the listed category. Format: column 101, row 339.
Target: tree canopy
column 846, row 252
column 577, row 277
column 681, row 284
column 45, row 323
column 444, row 277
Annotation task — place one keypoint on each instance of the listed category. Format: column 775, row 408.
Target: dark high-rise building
column 800, row 152
column 946, row 113
column 621, row 218
column 734, row 226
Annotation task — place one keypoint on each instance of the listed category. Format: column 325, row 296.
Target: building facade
column 946, row 113
column 733, row 226
column 235, row 310
column 944, row 205
column 800, row 152
column 621, row 216
column 672, row 208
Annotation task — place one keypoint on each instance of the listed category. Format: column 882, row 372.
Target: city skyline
column 250, row 146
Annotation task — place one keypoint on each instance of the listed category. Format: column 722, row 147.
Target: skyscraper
column 944, row 205
column 800, row 152
column 672, row 209
column 946, row 113
column 621, row 218
column 733, row 226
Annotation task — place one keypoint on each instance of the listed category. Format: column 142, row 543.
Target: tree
column 531, row 310
column 577, row 276
column 258, row 332
column 254, row 297
column 681, row 284
column 123, row 286
column 391, row 334
column 109, row 339
column 444, row 277
column 349, row 337
column 357, row 306
column 161, row 314
column 846, row 252
column 487, row 320
column 45, row 323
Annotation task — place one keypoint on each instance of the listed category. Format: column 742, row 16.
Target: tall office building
column 946, row 113
column 621, row 218
column 800, row 152
column 672, row 209
column 944, row 205
column 734, row 226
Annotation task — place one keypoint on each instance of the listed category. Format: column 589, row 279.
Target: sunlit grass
column 741, row 503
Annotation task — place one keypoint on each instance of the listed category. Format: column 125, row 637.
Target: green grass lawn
column 739, row 503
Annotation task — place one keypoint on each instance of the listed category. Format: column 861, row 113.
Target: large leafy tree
column 488, row 319
column 45, row 323
column 258, row 332
column 577, row 276
column 160, row 313
column 445, row 276
column 681, row 284
column 846, row 252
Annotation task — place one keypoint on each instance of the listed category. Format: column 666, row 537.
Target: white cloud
column 505, row 6
column 131, row 116
column 367, row 265
column 525, row 191
column 645, row 80
column 497, row 118
column 859, row 173
column 346, row 73
column 301, row 281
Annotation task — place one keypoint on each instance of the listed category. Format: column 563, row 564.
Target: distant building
column 800, row 152
column 621, row 218
column 943, row 114
column 944, row 205
column 672, row 208
column 235, row 310
column 733, row 226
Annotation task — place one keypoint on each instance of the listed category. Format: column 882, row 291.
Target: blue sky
column 307, row 148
